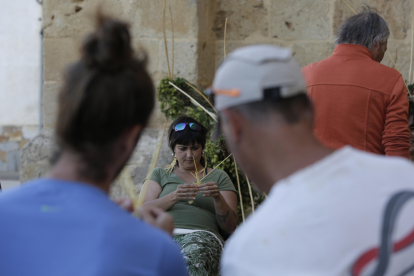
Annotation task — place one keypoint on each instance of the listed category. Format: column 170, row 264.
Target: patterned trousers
column 202, row 252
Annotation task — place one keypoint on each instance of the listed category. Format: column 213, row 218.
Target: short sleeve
column 224, row 182
column 156, row 175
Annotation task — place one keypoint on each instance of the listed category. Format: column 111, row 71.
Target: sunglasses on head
column 192, row 126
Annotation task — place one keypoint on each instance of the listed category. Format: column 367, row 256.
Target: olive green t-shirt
column 201, row 214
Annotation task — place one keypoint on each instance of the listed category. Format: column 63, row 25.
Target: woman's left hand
column 209, row 189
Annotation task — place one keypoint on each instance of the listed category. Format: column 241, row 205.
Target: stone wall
column 307, row 27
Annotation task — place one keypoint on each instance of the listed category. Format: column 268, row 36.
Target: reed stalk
column 250, row 192
column 165, row 38
column 189, row 84
column 410, row 79
column 238, row 185
column 172, row 46
column 225, row 34
column 212, row 115
column 151, row 167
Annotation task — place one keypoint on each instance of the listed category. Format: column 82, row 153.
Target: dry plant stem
column 212, row 115
column 225, row 33
column 410, row 79
column 197, row 177
column 150, row 169
column 238, row 185
column 216, row 167
column 172, row 31
column 201, row 95
column 165, row 38
column 392, row 60
column 128, row 186
column 349, row 6
column 250, row 192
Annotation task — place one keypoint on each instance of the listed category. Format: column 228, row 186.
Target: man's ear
column 233, row 124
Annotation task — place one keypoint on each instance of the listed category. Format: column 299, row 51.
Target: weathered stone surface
column 35, row 155
column 206, row 65
column 147, row 20
column 64, row 18
column 396, row 13
column 307, row 53
column 152, row 48
column 300, row 19
column 185, row 59
column 57, row 54
column 143, row 154
column 50, row 93
column 13, row 161
column 30, row 132
column 233, row 45
column 9, row 146
column 245, row 17
column 400, row 53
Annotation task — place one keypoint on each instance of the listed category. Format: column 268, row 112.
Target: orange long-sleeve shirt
column 358, row 102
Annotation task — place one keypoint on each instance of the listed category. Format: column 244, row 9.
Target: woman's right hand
column 185, row 192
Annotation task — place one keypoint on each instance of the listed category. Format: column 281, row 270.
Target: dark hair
column 292, row 108
column 186, row 136
column 104, row 93
column 365, row 28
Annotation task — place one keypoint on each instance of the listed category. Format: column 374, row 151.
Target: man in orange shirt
column 358, row 101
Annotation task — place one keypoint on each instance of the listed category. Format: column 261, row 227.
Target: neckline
column 183, row 180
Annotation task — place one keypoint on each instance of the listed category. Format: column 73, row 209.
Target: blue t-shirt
column 60, row 228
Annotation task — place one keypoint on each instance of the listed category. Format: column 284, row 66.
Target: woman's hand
column 186, row 192
column 209, row 189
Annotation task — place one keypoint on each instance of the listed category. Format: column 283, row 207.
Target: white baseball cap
column 256, row 73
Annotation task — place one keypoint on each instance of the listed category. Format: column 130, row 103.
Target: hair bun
column 109, row 47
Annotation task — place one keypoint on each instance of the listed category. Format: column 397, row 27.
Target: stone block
column 185, row 59
column 9, row 146
column 147, row 18
column 13, row 161
column 206, row 65
column 50, row 105
column 139, row 163
column 233, row 45
column 309, row 52
column 152, row 48
column 400, row 53
column 300, row 19
column 35, row 155
column 62, row 18
column 11, row 133
column 245, row 17
column 57, row 54
column 396, row 13
column 30, row 132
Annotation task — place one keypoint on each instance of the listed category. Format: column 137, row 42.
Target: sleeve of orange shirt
column 396, row 136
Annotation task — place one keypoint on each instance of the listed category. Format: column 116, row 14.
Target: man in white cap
column 327, row 212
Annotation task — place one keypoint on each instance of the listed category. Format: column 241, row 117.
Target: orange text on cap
column 227, row 92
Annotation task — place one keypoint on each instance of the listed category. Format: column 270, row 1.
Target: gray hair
column 365, row 28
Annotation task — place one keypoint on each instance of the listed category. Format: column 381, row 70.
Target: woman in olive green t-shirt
column 200, row 212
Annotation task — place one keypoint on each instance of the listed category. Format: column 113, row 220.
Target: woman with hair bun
column 65, row 224
column 203, row 213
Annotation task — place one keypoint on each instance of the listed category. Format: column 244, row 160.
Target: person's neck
column 192, row 170
column 67, row 168
column 279, row 162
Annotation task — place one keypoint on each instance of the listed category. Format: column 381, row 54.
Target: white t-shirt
column 326, row 219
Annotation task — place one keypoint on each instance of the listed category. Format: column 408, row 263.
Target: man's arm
column 396, row 136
